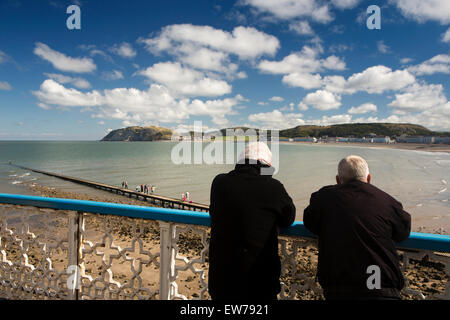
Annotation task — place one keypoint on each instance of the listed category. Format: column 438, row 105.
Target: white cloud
column 345, row 4
column 437, row 64
column 446, row 36
column 323, row 100
column 277, row 120
column 302, row 106
column 113, row 75
column 185, row 81
column 364, row 108
column 125, row 50
column 5, row 86
column 245, row 42
column 136, row 106
column 376, row 79
column 62, row 62
column 217, row 109
column 419, row 98
column 424, row 10
column 276, row 99
column 303, row 80
column 54, row 93
column 305, row 61
column 406, row 60
column 3, row 57
column 289, row 9
column 301, row 27
column 330, row 120
column 43, row 106
column 205, row 59
column 382, row 47
column 77, row 82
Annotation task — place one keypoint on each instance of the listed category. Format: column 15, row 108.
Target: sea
column 419, row 180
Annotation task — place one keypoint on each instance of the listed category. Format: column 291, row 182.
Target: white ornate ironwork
column 129, row 258
column 33, row 253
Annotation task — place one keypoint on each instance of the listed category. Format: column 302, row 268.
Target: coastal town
column 373, row 138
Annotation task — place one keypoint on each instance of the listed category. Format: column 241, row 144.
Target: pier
column 158, row 200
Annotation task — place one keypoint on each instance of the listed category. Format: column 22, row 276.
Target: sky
column 271, row 64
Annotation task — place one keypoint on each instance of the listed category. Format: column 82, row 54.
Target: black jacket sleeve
column 401, row 223
column 287, row 216
column 311, row 215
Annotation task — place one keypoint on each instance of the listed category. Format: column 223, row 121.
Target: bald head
column 353, row 168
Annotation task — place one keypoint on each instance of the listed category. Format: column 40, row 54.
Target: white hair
column 353, row 168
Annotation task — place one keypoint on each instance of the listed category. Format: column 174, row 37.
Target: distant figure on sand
column 358, row 226
column 183, row 197
column 247, row 208
column 187, row 196
column 153, row 188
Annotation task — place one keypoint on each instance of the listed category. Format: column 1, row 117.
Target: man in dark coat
column 246, row 209
column 358, row 226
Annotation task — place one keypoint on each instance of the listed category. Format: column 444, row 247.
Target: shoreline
column 445, row 148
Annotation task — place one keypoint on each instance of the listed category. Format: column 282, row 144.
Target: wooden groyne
column 162, row 201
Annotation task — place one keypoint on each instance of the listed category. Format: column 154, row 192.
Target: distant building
column 418, row 139
column 442, row 140
column 358, row 140
column 306, row 139
column 380, row 140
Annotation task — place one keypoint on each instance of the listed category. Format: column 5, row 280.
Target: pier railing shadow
column 71, row 249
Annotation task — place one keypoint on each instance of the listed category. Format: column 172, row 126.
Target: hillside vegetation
column 152, row 133
column 339, row 130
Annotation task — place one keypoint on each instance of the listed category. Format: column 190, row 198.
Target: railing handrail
column 421, row 241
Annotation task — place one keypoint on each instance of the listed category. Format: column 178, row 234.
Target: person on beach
column 153, row 189
column 357, row 225
column 247, row 208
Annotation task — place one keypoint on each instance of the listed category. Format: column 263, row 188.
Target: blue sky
column 262, row 63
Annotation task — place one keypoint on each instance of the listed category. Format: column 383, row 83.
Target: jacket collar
column 251, row 169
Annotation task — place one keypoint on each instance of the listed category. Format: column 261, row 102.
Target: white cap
column 258, row 151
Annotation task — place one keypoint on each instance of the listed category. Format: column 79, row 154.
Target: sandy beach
column 423, row 275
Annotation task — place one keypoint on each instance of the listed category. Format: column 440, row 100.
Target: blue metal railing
column 421, row 241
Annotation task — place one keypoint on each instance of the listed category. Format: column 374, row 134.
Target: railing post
column 165, row 259
column 74, row 254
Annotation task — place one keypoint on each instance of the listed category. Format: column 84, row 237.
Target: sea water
column 420, row 180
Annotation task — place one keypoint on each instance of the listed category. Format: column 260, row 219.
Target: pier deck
column 163, row 201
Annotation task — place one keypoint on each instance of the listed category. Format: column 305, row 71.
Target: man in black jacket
column 246, row 210
column 357, row 225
